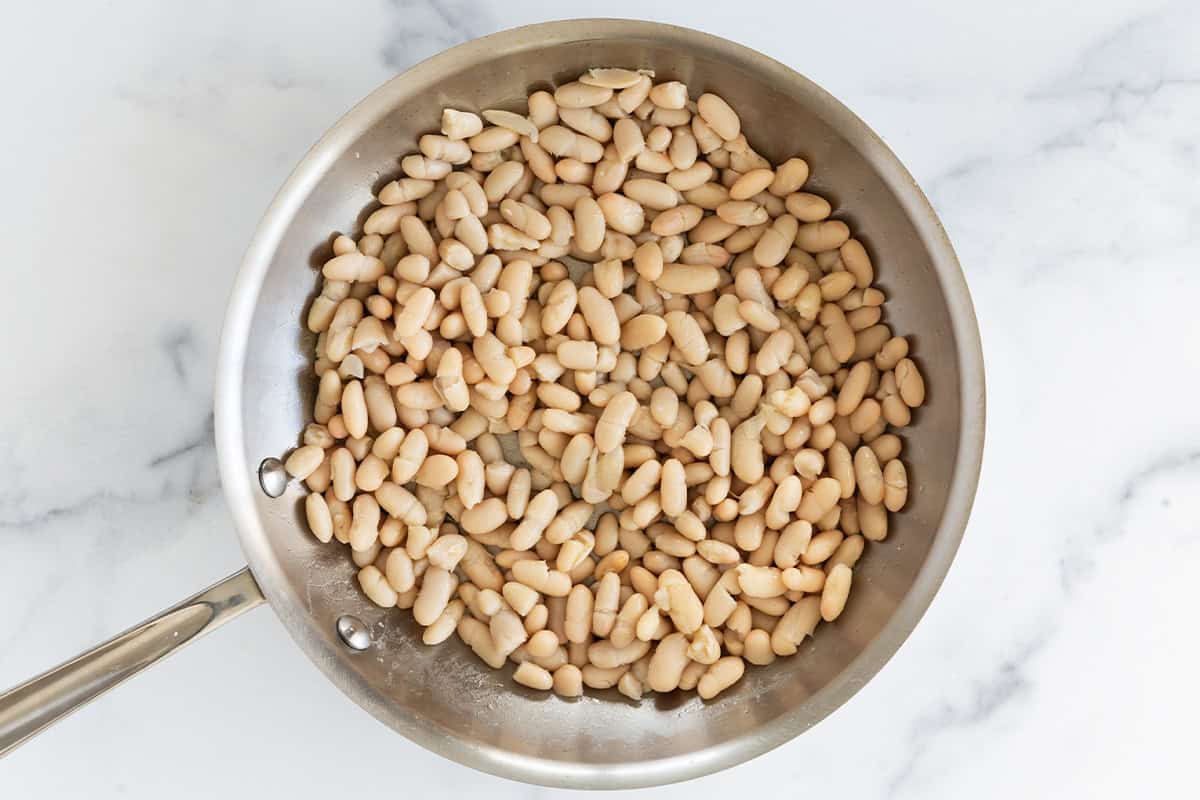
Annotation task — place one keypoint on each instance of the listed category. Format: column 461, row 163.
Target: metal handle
column 29, row 708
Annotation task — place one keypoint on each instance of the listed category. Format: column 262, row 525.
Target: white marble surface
column 140, row 143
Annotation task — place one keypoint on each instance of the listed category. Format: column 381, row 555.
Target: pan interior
column 442, row 696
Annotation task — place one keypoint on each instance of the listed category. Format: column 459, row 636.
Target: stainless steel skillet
column 442, row 697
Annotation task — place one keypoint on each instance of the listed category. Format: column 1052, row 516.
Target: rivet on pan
column 271, row 477
column 353, row 632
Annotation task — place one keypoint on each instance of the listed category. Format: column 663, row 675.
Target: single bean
column 375, row 587
column 719, row 116
column 895, row 483
column 668, row 662
column 720, row 676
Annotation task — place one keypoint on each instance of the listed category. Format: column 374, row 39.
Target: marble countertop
column 142, row 141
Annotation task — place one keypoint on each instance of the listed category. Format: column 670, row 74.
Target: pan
column 442, row 697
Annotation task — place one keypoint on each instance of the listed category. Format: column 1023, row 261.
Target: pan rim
column 237, row 470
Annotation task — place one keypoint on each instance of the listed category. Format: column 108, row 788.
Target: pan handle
column 29, row 708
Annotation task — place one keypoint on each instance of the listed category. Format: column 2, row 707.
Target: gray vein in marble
column 1101, row 72
column 196, row 489
column 1115, row 91
column 179, row 344
column 204, row 439
column 1079, row 564
column 194, row 456
column 425, row 27
column 1112, row 110
column 1145, row 33
column 964, row 170
column 46, row 516
column 1172, row 462
column 1081, row 133
column 1009, row 682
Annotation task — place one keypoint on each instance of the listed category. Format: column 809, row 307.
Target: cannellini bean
column 910, row 384
column 760, row 581
column 817, row 237
column 364, row 524
column 578, row 355
column 513, row 122
column 625, row 628
column 685, row 332
column 437, row 471
column 600, row 315
column 679, row 600
column 606, row 655
column 837, row 589
column 404, row 191
column 542, row 644
column 746, row 452
column 589, row 224
column 418, row 166
column 630, row 686
column 443, row 148
column 669, row 95
column 895, row 485
column 704, row 647
column 460, row 124
column 588, row 122
column 613, row 422
column 668, row 662
column 446, row 623
column 673, row 488
column 772, row 247
column 599, row 678
column 304, row 461
column 789, row 177
column 819, row 499
column 799, row 621
column 677, row 219
column 568, row 681
column 566, row 143
column 868, row 475
column 508, row 632
column 610, row 77
column 417, row 540
column 635, row 95
column 447, row 551
column 399, row 570
column 486, row 516
column 743, row 213
column 604, row 609
column 620, row 213
column 543, row 111
column 628, row 139
column 475, row 635
column 375, row 587
column 538, row 576
column 688, row 278
column 751, row 183
column 642, row 331
column 581, row 95
column 353, row 267
column 320, row 520
column 533, row 676
column 719, row 116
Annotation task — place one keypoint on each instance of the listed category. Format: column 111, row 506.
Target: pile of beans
column 643, row 475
